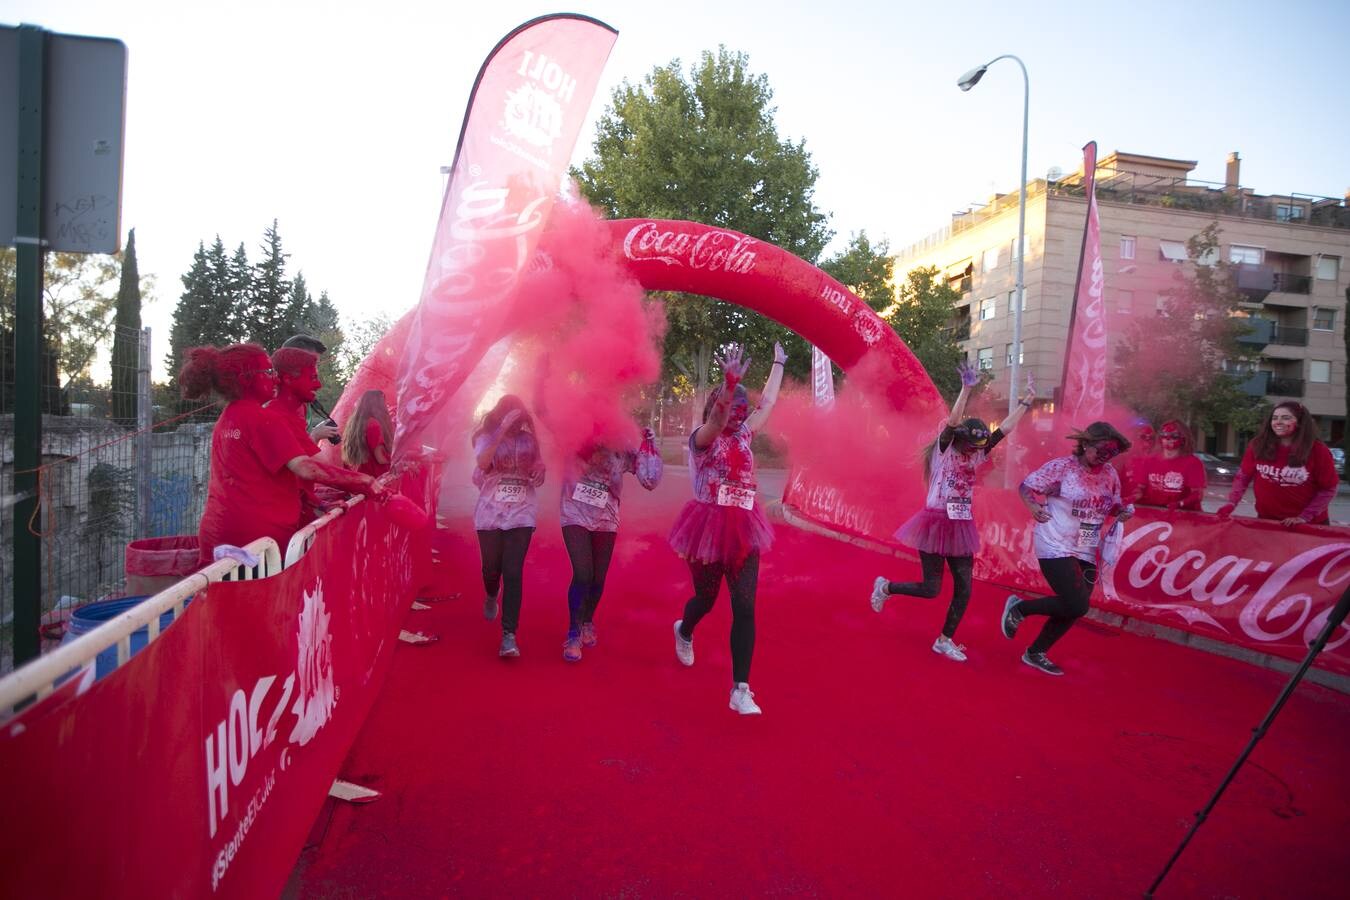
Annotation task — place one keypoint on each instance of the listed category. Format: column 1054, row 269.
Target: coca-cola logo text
column 715, row 251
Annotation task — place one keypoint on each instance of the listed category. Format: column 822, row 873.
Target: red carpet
column 878, row 768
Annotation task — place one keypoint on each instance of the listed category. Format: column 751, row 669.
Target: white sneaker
column 743, row 700
column 880, row 591
column 684, row 650
column 946, row 647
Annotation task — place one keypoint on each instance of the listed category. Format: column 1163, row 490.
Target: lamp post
column 965, row 83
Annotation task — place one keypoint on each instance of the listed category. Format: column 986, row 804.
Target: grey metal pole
column 29, row 387
column 145, row 447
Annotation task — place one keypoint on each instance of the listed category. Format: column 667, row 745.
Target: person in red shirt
column 257, row 459
column 297, row 374
column 1174, row 478
column 1295, row 476
column 1133, row 463
column 368, row 438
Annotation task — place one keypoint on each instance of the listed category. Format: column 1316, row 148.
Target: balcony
column 1254, row 385
column 1289, row 337
column 1258, row 332
column 1254, row 281
column 960, row 331
column 1286, row 283
column 1284, row 387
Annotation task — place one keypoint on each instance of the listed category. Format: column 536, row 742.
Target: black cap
column 305, row 342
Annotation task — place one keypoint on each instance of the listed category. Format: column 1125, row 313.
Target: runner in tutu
column 590, row 525
column 1070, row 498
column 723, row 530
column 944, row 530
column 507, row 472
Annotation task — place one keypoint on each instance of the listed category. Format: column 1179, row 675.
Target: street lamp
column 965, row 83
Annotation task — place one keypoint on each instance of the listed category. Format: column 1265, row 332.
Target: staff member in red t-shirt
column 1175, row 478
column 1295, row 475
column 257, row 459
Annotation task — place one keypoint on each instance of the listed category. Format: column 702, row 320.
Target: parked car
column 1339, row 456
column 1218, row 471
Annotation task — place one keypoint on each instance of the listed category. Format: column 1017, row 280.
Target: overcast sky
column 335, row 118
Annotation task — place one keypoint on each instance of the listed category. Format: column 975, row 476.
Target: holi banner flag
column 1085, row 358
column 522, row 123
column 822, row 378
column 197, row 769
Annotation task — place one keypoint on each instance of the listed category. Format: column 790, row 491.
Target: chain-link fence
column 115, row 468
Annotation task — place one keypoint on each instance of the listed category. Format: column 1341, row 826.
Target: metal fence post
column 145, row 445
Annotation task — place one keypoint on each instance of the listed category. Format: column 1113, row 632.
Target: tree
column 1191, row 369
column 360, row 337
column 205, row 314
column 922, row 316
column 705, row 148
column 265, row 310
column 53, row 400
column 126, row 338
column 865, row 270
column 1345, row 428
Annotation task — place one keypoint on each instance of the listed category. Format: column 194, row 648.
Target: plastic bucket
column 87, row 618
column 154, row 564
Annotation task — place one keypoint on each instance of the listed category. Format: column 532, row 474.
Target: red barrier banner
column 1248, row 582
column 197, row 769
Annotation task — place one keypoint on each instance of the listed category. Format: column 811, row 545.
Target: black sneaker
column 1011, row 617
column 1042, row 662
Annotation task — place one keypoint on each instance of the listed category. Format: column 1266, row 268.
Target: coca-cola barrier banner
column 198, row 768
column 1248, row 582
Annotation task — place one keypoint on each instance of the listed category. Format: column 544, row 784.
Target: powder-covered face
column 1284, row 422
column 740, row 411
column 304, row 385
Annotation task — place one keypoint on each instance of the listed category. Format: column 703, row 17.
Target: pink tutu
column 930, row 531
column 708, row 533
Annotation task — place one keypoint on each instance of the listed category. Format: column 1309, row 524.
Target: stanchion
column 1333, row 622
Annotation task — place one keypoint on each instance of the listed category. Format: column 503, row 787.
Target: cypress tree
column 126, row 338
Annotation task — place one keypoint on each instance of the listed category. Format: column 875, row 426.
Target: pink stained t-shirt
column 1078, row 501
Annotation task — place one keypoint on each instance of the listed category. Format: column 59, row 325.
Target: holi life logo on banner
column 241, row 736
column 1273, row 598
column 715, row 251
column 533, row 112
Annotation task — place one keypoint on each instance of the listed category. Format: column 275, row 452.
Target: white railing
column 36, row 680
column 303, row 539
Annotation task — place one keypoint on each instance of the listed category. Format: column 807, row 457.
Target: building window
column 1161, row 305
column 987, row 308
column 1013, row 255
column 1125, row 302
column 1012, row 300
column 1127, row 246
column 1285, row 212
column 1324, row 318
column 1021, row 357
column 1328, row 268
column 1172, row 251
column 990, row 261
column 1319, row 371
column 1251, row 256
column 985, row 359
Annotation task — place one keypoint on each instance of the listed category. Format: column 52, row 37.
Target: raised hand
column 779, row 354
column 734, row 362
column 970, row 376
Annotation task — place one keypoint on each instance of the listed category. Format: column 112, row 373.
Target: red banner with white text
column 1084, row 396
column 524, row 117
column 1248, row 582
column 197, row 769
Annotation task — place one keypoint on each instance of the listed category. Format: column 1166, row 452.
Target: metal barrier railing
column 303, row 539
column 35, row 681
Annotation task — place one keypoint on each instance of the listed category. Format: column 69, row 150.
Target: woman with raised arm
column 723, row 530
column 589, row 512
column 508, row 469
column 1070, row 498
column 1294, row 472
column 944, row 530
column 1175, row 477
column 259, row 457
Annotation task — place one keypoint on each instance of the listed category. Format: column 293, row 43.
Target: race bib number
column 510, row 491
column 591, row 494
column 959, row 509
column 1089, row 535
column 735, row 495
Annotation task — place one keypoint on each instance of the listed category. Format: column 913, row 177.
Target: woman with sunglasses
column 1294, row 472
column 259, row 458
column 1070, row 498
column 1175, row 478
column 944, row 530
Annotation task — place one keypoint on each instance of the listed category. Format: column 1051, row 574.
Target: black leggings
column 741, row 582
column 1071, row 579
column 590, row 552
column 503, row 563
column 961, row 567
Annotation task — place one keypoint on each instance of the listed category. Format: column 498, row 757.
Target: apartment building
column 1290, row 253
